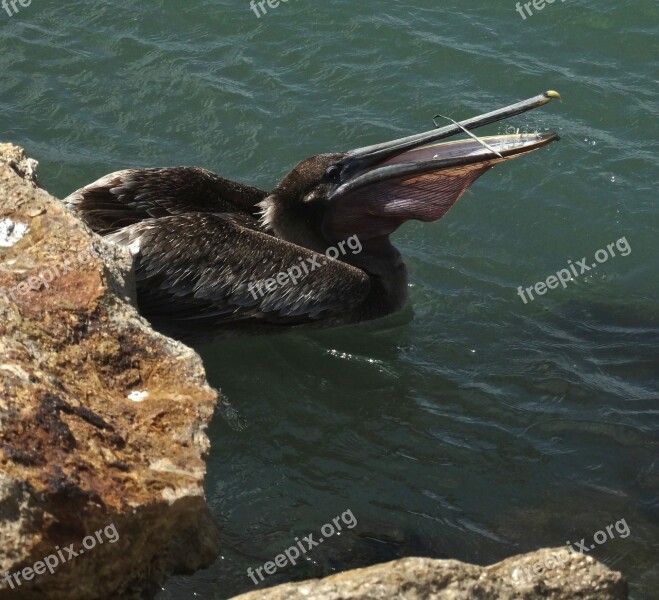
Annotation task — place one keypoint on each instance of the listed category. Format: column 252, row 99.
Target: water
column 472, row 426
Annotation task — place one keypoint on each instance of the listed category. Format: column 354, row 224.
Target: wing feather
column 127, row 197
column 207, row 268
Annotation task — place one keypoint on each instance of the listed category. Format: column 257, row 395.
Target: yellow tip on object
column 552, row 94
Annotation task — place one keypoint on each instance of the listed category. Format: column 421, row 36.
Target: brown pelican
column 214, row 256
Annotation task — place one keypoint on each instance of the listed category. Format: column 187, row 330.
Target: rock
column 560, row 574
column 102, row 419
column 14, row 157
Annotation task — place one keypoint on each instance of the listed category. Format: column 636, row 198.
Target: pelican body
column 214, row 256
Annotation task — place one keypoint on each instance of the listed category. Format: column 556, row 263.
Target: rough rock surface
column 561, row 575
column 102, row 420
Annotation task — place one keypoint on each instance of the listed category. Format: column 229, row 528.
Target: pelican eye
column 333, row 174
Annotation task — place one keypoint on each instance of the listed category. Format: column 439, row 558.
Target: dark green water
column 472, row 426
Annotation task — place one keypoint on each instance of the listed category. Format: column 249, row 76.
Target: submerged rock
column 550, row 574
column 102, row 419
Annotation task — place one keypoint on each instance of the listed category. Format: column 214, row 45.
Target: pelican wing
column 127, row 197
column 206, row 267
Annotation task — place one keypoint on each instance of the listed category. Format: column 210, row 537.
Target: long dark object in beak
column 377, row 152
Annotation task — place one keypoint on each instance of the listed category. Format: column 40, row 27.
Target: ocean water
column 472, row 425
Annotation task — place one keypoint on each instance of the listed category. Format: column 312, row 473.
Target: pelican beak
column 419, row 177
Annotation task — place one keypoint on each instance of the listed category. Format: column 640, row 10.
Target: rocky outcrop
column 550, row 574
column 102, row 419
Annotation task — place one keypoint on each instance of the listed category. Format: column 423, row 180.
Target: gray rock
column 551, row 574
